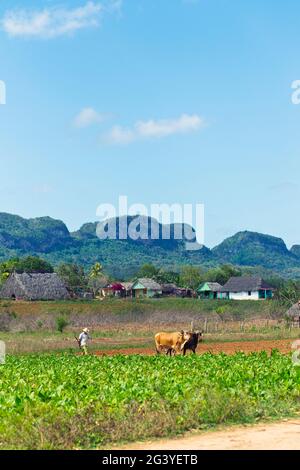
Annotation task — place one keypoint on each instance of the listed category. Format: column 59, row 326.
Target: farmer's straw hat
column 85, row 330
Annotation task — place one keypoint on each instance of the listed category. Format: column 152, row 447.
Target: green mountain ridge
column 295, row 250
column 253, row 249
column 51, row 240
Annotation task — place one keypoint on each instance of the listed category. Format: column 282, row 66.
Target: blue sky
column 165, row 101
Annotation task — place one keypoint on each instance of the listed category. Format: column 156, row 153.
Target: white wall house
column 244, row 295
column 246, row 288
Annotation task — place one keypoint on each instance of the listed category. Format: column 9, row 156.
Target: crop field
column 52, row 397
column 66, row 401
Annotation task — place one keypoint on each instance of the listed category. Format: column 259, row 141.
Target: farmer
column 83, row 340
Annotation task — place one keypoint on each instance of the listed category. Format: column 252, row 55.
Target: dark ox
column 192, row 343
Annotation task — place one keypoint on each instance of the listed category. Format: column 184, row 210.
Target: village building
column 209, row 290
column 183, row 292
column 35, row 286
column 114, row 289
column 169, row 289
column 246, row 288
column 128, row 288
column 145, row 287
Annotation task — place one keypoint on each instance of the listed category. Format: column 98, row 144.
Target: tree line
column 77, row 279
column 75, row 276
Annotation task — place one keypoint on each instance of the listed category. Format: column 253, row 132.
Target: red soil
column 284, row 346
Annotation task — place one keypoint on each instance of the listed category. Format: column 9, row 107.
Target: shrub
column 61, row 323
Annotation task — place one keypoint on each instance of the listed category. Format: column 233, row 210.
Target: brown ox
column 172, row 342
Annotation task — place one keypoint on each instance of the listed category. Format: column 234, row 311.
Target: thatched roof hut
column 169, row 288
column 146, row 287
column 294, row 312
column 209, row 290
column 245, row 284
column 46, row 286
column 146, row 283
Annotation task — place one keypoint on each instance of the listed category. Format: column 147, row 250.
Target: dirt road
column 275, row 436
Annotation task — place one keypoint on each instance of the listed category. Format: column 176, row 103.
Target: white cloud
column 56, row 21
column 155, row 129
column 165, row 127
column 120, row 135
column 88, row 116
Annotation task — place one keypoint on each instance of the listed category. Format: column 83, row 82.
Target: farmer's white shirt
column 83, row 338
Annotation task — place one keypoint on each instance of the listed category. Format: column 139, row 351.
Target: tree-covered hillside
column 51, row 240
column 255, row 249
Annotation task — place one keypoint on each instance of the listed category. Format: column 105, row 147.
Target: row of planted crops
column 68, row 401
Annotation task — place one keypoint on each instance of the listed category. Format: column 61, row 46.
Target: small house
column 185, row 293
column 115, row 289
column 128, row 288
column 246, row 288
column 169, row 289
column 35, row 286
column 146, row 288
column 209, row 290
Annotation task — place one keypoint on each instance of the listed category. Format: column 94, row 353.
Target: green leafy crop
column 69, row 401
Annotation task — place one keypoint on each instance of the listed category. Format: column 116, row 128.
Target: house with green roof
column 146, row 288
column 209, row 290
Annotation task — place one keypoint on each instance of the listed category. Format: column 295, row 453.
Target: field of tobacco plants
column 73, row 402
